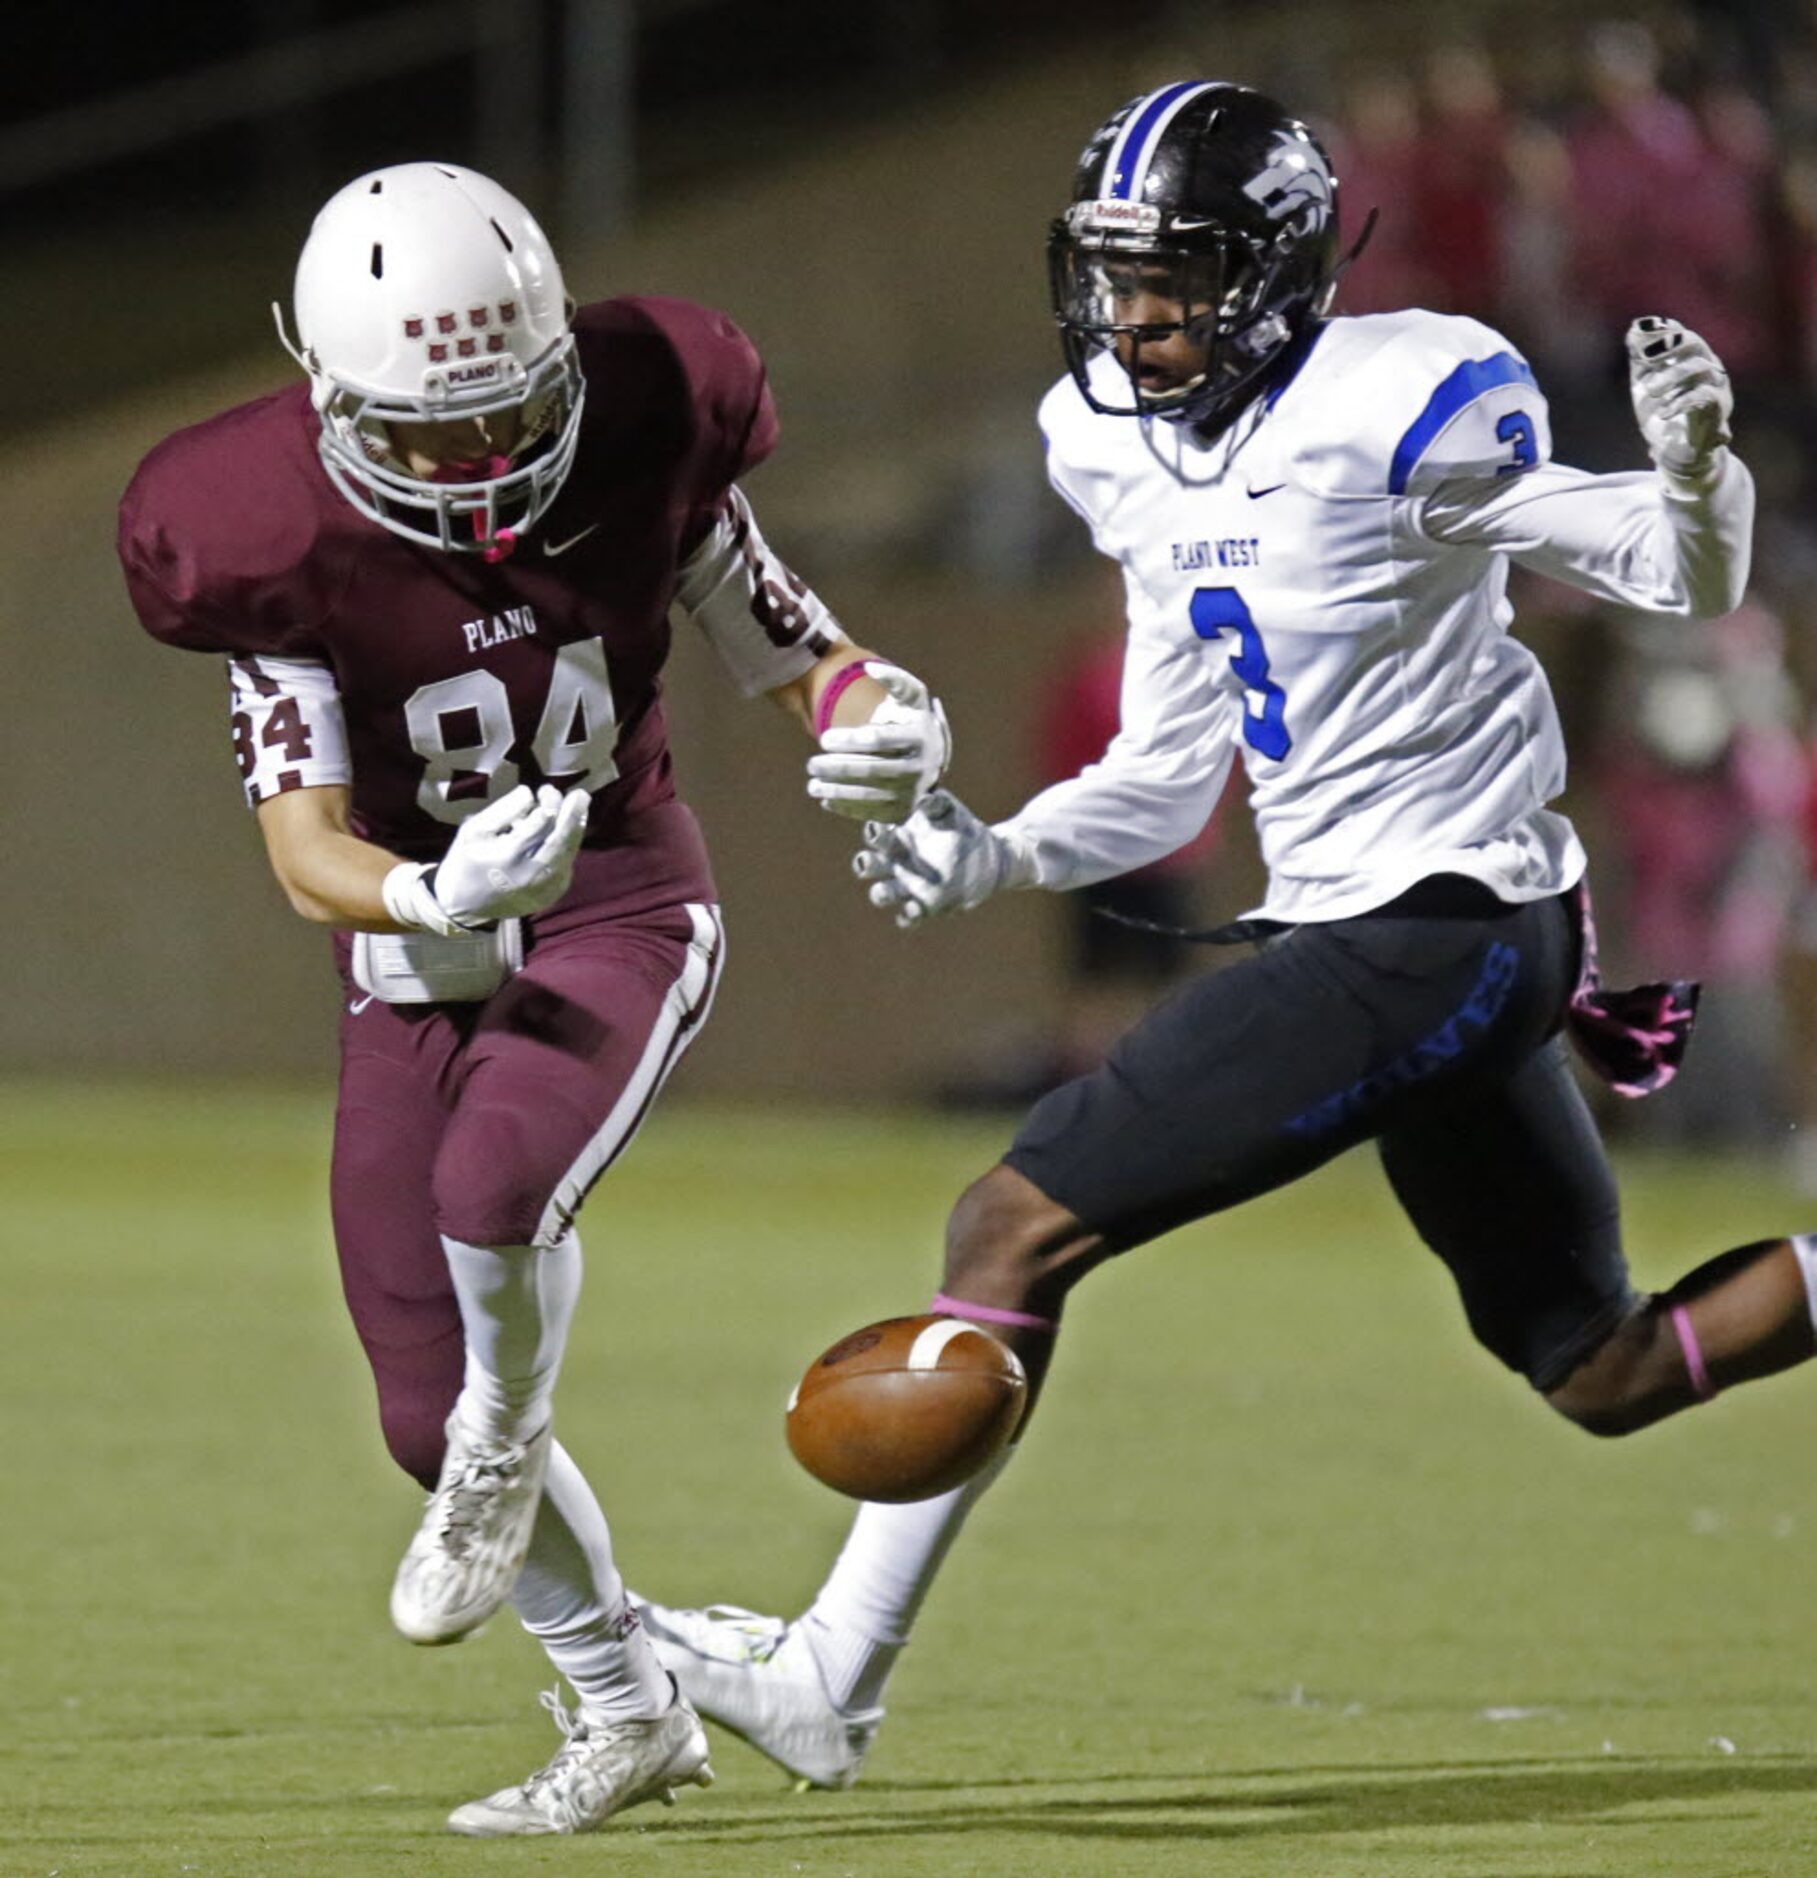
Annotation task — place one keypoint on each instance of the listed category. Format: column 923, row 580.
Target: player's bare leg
column 1015, row 1254
column 809, row 1693
column 1746, row 1313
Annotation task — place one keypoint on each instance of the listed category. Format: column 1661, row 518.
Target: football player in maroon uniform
column 440, row 572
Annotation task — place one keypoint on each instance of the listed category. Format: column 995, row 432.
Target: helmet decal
column 1126, row 167
column 1291, row 184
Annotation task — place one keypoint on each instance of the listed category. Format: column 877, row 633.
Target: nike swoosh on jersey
column 562, row 547
column 1256, row 494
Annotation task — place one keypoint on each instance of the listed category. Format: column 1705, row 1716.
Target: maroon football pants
column 489, row 1123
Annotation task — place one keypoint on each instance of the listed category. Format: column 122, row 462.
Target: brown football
column 907, row 1408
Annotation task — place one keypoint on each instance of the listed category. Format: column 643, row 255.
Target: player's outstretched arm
column 1148, row 795
column 511, row 858
column 1678, row 541
column 883, row 737
column 943, row 859
column 884, row 740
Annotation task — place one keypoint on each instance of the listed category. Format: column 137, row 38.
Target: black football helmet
column 1210, row 196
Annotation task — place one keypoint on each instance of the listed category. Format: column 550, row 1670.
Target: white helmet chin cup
column 426, row 293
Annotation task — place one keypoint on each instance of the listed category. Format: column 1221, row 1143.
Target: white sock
column 1804, row 1244
column 517, row 1302
column 861, row 1619
column 572, row 1601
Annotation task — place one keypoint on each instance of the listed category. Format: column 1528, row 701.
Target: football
column 906, row 1408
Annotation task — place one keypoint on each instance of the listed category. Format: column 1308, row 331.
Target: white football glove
column 880, row 770
column 1681, row 394
column 943, row 859
column 514, row 857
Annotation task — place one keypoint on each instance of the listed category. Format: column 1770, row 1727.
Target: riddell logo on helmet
column 1142, row 218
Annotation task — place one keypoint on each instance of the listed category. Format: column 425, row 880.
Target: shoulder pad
column 683, row 380
column 218, row 530
column 1425, row 398
column 1085, row 450
column 1060, row 413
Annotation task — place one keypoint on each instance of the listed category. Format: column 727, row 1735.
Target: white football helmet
column 425, row 294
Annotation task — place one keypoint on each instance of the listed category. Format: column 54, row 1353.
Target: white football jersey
column 1322, row 592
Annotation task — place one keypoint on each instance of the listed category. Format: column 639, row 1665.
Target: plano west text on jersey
column 1232, row 551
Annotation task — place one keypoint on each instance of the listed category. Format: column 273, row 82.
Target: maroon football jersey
column 458, row 679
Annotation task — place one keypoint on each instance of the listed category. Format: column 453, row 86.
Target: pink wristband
column 837, row 686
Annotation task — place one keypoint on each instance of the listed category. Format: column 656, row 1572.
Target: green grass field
column 1288, row 1580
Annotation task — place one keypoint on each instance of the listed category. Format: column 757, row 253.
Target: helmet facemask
column 1218, row 293
column 478, row 504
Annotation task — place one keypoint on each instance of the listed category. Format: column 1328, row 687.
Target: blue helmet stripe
column 1467, row 383
column 1128, row 160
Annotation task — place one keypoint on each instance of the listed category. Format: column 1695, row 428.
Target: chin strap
column 1356, row 249
column 289, row 344
column 497, row 547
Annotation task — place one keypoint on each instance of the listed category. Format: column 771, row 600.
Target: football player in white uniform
column 1314, row 517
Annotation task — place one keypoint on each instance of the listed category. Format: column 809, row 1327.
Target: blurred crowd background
column 867, row 190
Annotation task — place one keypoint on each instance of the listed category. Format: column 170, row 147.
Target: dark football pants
column 1431, row 1026
column 489, row 1122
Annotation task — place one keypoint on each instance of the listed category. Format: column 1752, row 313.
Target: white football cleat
column 758, row 1677
column 601, row 1768
column 474, row 1536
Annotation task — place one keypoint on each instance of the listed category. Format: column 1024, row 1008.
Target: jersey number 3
column 1516, row 431
column 461, row 727
column 1217, row 610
